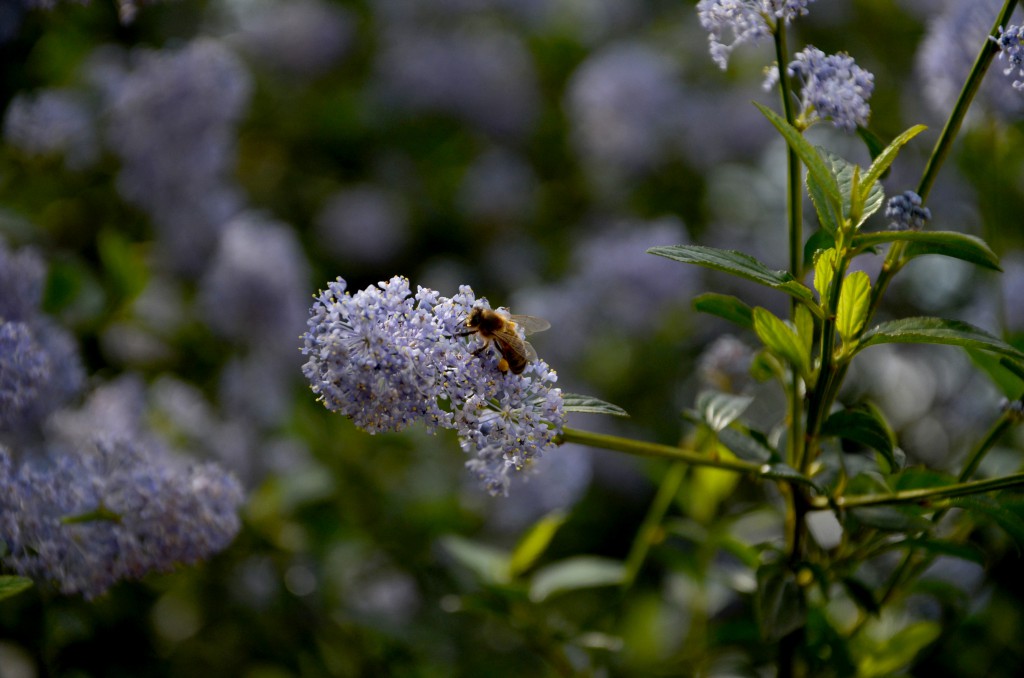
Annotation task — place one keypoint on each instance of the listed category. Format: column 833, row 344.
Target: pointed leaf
column 873, row 142
column 828, row 213
column 725, row 306
column 897, row 650
column 937, row 331
column 854, row 299
column 721, row 409
column 864, row 425
column 947, row 243
column 815, row 164
column 886, row 157
column 824, row 273
column 534, row 543
column 579, row 572
column 781, row 339
column 11, row 585
column 736, row 263
column 943, row 547
column 574, row 402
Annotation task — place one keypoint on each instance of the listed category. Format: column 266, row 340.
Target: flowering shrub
column 805, row 308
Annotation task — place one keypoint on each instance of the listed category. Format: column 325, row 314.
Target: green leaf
column 864, row 425
column 854, row 299
column 725, row 306
column 815, row 164
column 943, row 547
column 574, row 402
column 891, row 518
column 886, row 157
column 535, row 542
column 1001, row 372
column 804, row 322
column 746, row 447
column 489, row 564
column 861, row 594
column 1001, row 513
column 825, row 264
column 829, row 217
column 781, row 339
column 11, row 585
column 718, row 409
column 778, row 604
column 961, row 246
column 897, row 651
column 873, row 142
column 820, row 240
column 124, row 264
column 736, row 263
column 572, row 574
column 937, row 331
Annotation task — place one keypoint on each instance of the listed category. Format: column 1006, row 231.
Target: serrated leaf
column 572, row 574
column 854, row 299
column 961, row 246
column 812, row 160
column 828, row 216
column 864, row 425
column 535, row 542
column 886, row 157
column 489, row 564
column 781, row 339
column 725, row 306
column 718, row 409
column 11, row 585
column 736, row 263
column 574, row 402
column 926, row 330
column 824, row 273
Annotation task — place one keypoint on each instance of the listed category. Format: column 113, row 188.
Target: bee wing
column 512, row 345
column 530, row 324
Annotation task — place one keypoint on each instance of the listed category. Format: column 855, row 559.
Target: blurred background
column 193, row 176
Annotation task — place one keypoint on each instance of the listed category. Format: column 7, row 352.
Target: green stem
column 670, row 484
column 894, row 258
column 922, row 495
column 688, row 456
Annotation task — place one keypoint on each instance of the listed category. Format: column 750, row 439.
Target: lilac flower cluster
column 743, row 21
column 112, row 511
column 834, row 87
column 53, row 122
column 906, row 212
column 1011, row 45
column 88, row 496
column 387, row 358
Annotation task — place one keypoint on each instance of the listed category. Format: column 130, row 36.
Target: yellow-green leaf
column 824, row 272
column 854, row 299
column 781, row 339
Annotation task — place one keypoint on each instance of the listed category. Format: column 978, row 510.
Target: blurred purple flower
column 624, row 103
column 363, row 224
column 53, row 122
column 482, row 76
column 172, row 117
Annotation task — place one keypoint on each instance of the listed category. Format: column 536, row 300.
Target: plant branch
column 922, row 495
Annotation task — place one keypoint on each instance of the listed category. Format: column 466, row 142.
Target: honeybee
column 500, row 327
